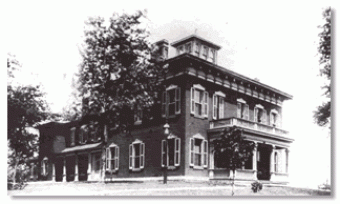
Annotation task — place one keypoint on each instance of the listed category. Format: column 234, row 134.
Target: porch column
column 76, row 174
column 32, row 171
column 89, row 167
column 255, row 161
column 102, row 163
column 287, row 154
column 53, row 172
column 272, row 167
column 64, row 170
column 211, row 163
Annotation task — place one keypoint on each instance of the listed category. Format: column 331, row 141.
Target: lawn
column 156, row 188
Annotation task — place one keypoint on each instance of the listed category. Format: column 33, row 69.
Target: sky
column 274, row 41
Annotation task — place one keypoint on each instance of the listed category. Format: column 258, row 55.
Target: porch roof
column 80, row 148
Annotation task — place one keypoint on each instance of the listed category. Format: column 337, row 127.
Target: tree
column 232, row 150
column 118, row 73
column 323, row 113
column 26, row 107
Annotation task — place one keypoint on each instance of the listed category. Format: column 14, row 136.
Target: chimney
column 161, row 50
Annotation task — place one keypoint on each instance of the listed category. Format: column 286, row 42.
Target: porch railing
column 225, row 122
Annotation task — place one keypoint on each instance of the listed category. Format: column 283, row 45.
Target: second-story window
column 174, row 152
column 171, row 101
column 199, row 101
column 260, row 114
column 83, row 134
column 242, row 109
column 138, row 115
column 218, row 105
column 274, row 118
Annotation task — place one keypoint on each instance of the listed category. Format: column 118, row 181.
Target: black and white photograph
column 169, row 99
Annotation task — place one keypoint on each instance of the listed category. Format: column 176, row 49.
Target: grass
column 157, row 188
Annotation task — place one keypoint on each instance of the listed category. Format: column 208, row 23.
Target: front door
column 263, row 163
column 83, row 165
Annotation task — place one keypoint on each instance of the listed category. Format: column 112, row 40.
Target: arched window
column 198, row 151
column 173, row 155
column 136, row 155
column 112, row 158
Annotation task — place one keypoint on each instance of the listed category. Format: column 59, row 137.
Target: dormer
column 198, row 47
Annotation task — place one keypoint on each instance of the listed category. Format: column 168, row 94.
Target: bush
column 256, row 186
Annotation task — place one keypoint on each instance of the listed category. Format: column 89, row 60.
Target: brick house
column 200, row 100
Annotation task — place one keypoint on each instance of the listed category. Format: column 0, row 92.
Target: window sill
column 197, row 116
column 136, row 170
column 171, row 167
column 111, row 171
column 199, row 167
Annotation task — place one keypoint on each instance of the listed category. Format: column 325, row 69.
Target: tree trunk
column 233, row 183
column 15, row 170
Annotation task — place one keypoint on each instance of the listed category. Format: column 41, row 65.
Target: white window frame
column 166, row 102
column 264, row 114
column 189, row 44
column 203, row 153
column 272, row 122
column 242, row 109
column 197, row 49
column 218, row 97
column 194, row 101
column 132, row 155
column 177, row 151
column 73, row 136
column 109, row 158
column 205, row 54
column 211, row 52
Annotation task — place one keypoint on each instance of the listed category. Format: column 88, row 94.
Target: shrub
column 256, row 186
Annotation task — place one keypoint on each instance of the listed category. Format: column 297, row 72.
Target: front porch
column 270, row 155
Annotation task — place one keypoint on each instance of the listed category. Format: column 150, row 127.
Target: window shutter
column 214, row 107
column 178, row 100
column 130, row 156
column 142, row 150
column 205, row 105
column 264, row 117
column 239, row 107
column 164, row 104
column 278, row 122
column 191, row 159
column 177, row 151
column 163, row 153
column 205, row 153
column 107, row 158
column 221, row 108
column 246, row 112
column 192, row 96
column 117, row 158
